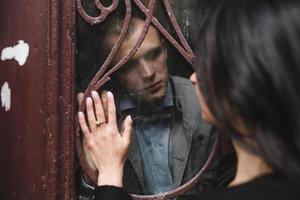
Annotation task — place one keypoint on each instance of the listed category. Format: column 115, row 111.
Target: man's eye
column 154, row 54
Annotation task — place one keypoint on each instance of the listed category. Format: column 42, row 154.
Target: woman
column 248, row 84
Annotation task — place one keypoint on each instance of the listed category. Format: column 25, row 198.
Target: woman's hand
column 108, row 147
column 86, row 152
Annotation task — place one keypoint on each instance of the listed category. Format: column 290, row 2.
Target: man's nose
column 146, row 70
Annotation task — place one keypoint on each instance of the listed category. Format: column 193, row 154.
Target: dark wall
column 187, row 15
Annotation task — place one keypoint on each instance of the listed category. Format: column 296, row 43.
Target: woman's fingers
column 105, row 146
column 90, row 113
column 84, row 128
column 127, row 128
column 104, row 102
column 95, row 107
column 111, row 109
column 98, row 108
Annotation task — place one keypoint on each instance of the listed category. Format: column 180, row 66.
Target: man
column 170, row 141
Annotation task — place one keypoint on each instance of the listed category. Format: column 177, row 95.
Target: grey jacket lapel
column 181, row 143
column 135, row 158
column 183, row 127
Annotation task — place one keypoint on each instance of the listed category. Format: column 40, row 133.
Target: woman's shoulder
column 272, row 186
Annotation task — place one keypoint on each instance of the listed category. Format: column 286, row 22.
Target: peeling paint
column 18, row 52
column 5, row 96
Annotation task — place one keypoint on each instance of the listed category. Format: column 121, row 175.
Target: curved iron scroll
column 105, row 11
column 97, row 82
column 103, row 75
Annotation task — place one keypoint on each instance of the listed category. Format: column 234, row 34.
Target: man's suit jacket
column 191, row 140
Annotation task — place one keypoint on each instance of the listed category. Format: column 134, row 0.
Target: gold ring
column 99, row 123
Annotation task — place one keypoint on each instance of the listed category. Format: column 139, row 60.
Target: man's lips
column 153, row 86
column 151, row 89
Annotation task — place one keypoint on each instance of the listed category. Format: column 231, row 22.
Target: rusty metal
column 177, row 29
column 103, row 75
column 104, row 67
column 168, row 36
column 105, row 11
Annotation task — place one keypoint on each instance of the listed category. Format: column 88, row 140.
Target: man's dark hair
column 248, row 53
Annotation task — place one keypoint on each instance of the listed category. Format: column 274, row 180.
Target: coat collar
column 182, row 129
column 135, row 157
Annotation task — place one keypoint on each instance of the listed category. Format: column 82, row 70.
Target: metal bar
column 177, row 28
column 104, row 67
column 167, row 35
column 105, row 11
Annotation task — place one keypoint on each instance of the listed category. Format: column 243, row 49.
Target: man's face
column 145, row 76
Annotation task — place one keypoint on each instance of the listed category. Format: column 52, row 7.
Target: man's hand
column 108, row 148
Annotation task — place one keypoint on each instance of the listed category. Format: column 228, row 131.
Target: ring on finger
column 99, row 123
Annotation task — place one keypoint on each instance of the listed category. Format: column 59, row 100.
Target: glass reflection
column 170, row 141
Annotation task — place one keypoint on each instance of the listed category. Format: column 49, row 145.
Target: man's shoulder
column 181, row 81
column 185, row 91
column 186, row 100
column 183, row 87
column 186, row 97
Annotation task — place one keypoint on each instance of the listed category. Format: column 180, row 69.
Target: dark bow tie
column 148, row 116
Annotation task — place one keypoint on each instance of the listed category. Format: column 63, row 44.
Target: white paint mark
column 5, row 96
column 18, row 52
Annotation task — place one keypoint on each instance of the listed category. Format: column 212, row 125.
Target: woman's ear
column 205, row 112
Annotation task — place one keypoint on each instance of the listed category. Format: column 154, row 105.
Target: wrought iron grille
column 103, row 75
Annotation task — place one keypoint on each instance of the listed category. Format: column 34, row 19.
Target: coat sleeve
column 111, row 193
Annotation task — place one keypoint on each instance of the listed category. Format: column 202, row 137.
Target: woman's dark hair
column 249, row 72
